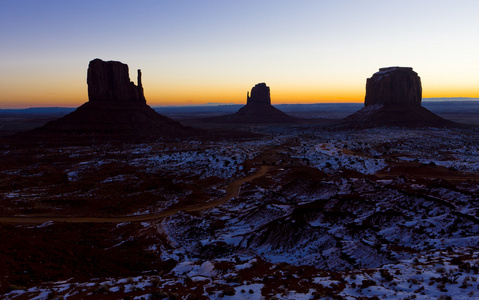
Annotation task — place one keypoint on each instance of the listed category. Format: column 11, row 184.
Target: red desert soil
column 418, row 170
column 232, row 191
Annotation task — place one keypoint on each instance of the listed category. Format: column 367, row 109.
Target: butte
column 258, row 110
column 393, row 99
column 116, row 109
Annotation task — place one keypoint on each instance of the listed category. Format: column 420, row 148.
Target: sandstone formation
column 393, row 99
column 116, row 109
column 394, row 86
column 259, row 95
column 258, row 110
column 110, row 82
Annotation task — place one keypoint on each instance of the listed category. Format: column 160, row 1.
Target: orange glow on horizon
column 452, row 93
column 228, row 94
column 64, row 95
column 38, row 89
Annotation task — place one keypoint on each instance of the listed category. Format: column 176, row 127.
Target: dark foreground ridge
column 116, row 110
column 258, row 110
column 393, row 99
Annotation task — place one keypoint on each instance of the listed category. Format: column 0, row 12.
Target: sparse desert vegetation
column 345, row 214
column 239, row 150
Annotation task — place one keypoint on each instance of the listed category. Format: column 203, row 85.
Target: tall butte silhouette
column 393, row 99
column 116, row 109
column 258, row 109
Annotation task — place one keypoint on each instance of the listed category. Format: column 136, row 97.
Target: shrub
column 367, row 283
column 386, row 275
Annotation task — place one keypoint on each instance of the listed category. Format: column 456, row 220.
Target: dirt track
column 232, row 191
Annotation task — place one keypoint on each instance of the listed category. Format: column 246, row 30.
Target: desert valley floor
column 299, row 212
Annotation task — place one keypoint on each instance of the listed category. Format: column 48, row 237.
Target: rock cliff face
column 393, row 99
column 116, row 110
column 394, row 86
column 259, row 95
column 110, row 82
column 258, row 110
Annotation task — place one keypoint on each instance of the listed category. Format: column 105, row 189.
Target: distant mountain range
column 451, row 99
column 429, row 103
column 38, row 110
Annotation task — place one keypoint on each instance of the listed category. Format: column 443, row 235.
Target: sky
column 214, row 51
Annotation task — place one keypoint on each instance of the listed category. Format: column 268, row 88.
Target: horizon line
column 213, row 104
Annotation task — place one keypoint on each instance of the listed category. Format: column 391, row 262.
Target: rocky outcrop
column 258, row 110
column 116, row 110
column 394, row 86
column 393, row 99
column 259, row 95
column 109, row 81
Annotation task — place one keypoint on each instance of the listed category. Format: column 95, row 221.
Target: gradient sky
column 197, row 52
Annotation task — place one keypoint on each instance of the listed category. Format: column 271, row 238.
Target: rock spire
column 393, row 99
column 259, row 95
column 258, row 110
column 109, row 82
column 394, row 86
column 116, row 110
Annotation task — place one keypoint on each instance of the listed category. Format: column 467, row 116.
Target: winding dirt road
column 232, row 191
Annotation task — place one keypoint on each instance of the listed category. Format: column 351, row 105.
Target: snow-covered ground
column 331, row 219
